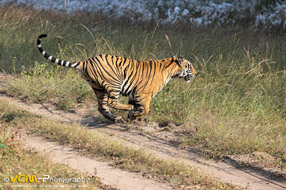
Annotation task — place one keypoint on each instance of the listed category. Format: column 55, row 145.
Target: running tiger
column 109, row 76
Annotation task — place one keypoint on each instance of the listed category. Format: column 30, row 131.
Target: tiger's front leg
column 141, row 106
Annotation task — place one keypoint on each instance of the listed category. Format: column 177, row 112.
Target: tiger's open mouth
column 188, row 77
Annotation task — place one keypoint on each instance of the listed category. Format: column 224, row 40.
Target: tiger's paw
column 132, row 115
column 131, row 107
column 119, row 119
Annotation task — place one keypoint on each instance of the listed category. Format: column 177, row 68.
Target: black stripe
column 38, row 41
column 42, row 36
column 75, row 65
column 123, row 61
column 120, row 61
column 115, row 90
column 53, row 59
column 116, row 80
column 64, row 63
column 140, row 75
column 41, row 49
column 46, row 55
column 84, row 64
column 98, row 69
column 112, row 97
column 154, row 74
column 111, row 65
column 150, row 64
column 169, row 64
column 98, row 90
column 131, row 81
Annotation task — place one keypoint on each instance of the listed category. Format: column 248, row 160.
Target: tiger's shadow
column 99, row 122
column 95, row 122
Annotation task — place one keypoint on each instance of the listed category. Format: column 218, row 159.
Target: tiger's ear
column 177, row 60
column 180, row 61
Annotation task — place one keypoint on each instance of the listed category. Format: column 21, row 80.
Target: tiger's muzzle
column 188, row 77
column 190, row 74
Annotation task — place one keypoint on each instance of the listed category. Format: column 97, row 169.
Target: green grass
column 16, row 160
column 47, row 83
column 108, row 149
column 235, row 105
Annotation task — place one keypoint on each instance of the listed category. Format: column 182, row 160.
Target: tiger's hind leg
column 103, row 108
column 141, row 106
column 113, row 96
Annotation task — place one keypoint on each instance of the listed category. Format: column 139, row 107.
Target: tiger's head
column 185, row 70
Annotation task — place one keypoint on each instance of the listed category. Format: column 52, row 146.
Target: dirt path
column 151, row 137
column 110, row 176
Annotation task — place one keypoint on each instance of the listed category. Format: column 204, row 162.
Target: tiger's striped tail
column 77, row 65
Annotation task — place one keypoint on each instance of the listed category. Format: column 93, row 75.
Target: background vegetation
column 268, row 15
column 235, row 105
